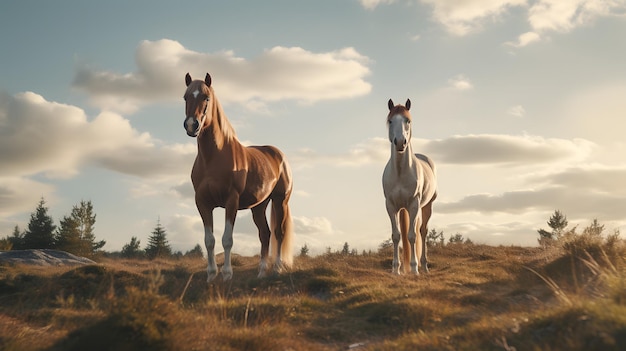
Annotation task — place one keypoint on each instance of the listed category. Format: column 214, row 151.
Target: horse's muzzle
column 400, row 144
column 192, row 126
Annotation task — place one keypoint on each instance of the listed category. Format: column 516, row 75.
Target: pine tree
column 346, row 249
column 17, row 239
column 40, row 232
column 86, row 219
column 435, row 238
column 68, row 237
column 157, row 243
column 75, row 233
column 304, row 250
column 196, row 252
column 132, row 249
column 558, row 223
column 456, row 239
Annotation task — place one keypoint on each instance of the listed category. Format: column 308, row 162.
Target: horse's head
column 399, row 123
column 197, row 97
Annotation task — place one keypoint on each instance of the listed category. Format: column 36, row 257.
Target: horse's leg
column 415, row 220
column 395, row 235
column 227, row 238
column 427, row 211
column 209, row 241
column 278, row 221
column 258, row 215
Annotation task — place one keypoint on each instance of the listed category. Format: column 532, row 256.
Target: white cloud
column 460, row 82
column 580, row 202
column 506, row 150
column 317, row 233
column 481, row 149
column 463, row 17
column 525, row 39
column 517, row 111
column 563, row 16
column 372, row 150
column 372, row 4
column 279, row 73
column 18, row 194
column 44, row 137
column 590, row 178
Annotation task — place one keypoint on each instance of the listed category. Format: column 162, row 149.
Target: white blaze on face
column 196, row 93
column 399, row 128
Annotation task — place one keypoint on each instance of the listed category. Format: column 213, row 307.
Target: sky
column 520, row 103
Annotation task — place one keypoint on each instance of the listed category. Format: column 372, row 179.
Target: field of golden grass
column 475, row 298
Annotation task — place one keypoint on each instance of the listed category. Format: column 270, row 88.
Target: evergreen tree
column 346, row 249
column 17, row 239
column 304, row 251
column 132, row 249
column 75, row 233
column 86, row 219
column 68, row 237
column 157, row 243
column 558, row 223
column 456, row 239
column 40, row 232
column 435, row 238
column 196, row 252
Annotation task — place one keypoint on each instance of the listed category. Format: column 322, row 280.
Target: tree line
column 75, row 234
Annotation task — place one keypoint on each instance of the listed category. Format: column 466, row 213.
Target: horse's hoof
column 211, row 276
column 227, row 275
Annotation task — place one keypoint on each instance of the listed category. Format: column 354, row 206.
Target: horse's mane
column 223, row 132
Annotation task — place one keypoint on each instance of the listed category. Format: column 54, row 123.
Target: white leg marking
column 227, row 243
column 263, row 268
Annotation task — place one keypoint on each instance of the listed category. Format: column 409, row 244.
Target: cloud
column 317, row 233
column 463, row 17
column 460, row 82
column 372, row 4
column 18, row 194
column 517, row 111
column 43, row 137
column 579, row 202
column 506, row 150
column 481, row 149
column 563, row 16
column 592, row 178
column 525, row 39
column 279, row 73
column 372, row 150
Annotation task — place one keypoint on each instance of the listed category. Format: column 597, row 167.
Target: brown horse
column 235, row 177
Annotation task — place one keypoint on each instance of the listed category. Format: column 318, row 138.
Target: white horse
column 410, row 187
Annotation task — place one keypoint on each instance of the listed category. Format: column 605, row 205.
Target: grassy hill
column 475, row 298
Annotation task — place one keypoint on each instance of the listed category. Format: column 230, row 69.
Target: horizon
column 520, row 103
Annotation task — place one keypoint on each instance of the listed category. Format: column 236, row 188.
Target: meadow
column 475, row 297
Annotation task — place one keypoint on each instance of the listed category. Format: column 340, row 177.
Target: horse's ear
column 187, row 79
column 408, row 104
column 390, row 104
column 207, row 80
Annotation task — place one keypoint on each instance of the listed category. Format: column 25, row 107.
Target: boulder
column 43, row 257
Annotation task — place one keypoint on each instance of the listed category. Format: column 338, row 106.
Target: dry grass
column 475, row 298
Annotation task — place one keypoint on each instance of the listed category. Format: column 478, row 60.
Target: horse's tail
column 286, row 250
column 406, row 249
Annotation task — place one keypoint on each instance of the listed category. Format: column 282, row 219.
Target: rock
column 43, row 257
